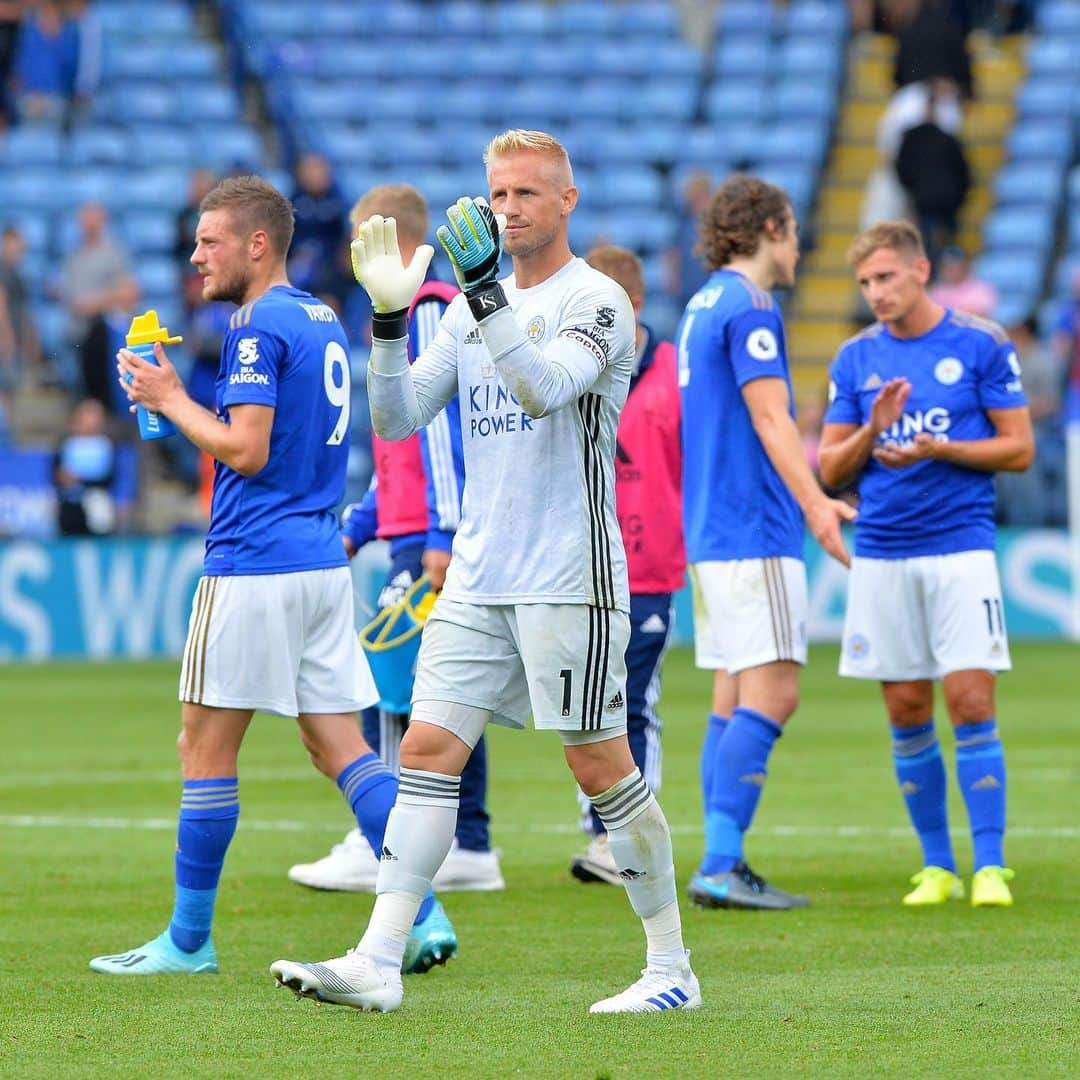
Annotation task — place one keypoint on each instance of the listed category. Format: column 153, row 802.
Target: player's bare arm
column 1012, row 449
column 768, row 403
column 243, row 444
column 846, row 448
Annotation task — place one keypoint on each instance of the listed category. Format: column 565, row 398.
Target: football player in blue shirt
column 272, row 624
column 926, row 405
column 746, row 490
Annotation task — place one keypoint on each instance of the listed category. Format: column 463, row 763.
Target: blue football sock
column 370, row 789
column 920, row 772
column 980, row 770
column 741, row 764
column 713, row 734
column 209, row 810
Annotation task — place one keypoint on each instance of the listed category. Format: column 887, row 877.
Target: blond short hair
column 521, row 140
column 402, row 202
column 622, row 266
column 901, row 236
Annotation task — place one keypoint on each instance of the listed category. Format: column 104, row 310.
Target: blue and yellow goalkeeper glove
column 473, row 241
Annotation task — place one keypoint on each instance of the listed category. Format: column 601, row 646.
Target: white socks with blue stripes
column 640, row 843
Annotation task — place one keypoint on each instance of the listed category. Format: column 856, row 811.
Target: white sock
column 418, row 836
column 640, row 843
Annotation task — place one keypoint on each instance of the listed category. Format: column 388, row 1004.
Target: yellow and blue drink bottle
column 141, row 336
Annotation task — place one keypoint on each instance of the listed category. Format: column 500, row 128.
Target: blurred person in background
column 83, row 472
column 187, row 220
column 933, row 170
column 88, row 281
column 26, row 344
column 648, row 504
column 1065, row 342
column 931, row 43
column 1038, row 497
column 11, row 14
column 46, row 63
column 684, row 269
column 316, row 261
column 82, row 19
column 955, row 287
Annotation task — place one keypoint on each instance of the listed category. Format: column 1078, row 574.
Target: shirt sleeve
column 1000, row 384
column 844, row 406
column 253, row 357
column 359, row 521
column 756, row 346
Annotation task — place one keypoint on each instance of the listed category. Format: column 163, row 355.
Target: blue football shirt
column 735, row 506
column 959, row 369
column 286, row 350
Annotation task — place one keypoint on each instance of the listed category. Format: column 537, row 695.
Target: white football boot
column 351, row 866
column 353, row 979
column 658, row 990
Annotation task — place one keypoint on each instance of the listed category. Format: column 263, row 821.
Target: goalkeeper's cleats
column 353, row 979
column 658, row 990
column 934, row 885
column 159, row 957
column 597, row 864
column 741, row 888
column 990, row 887
column 431, row 942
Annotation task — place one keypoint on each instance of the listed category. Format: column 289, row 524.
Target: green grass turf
column 853, row 986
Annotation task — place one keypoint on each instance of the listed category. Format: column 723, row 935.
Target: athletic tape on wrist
column 390, row 325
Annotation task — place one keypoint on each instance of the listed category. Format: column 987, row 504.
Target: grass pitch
column 854, row 986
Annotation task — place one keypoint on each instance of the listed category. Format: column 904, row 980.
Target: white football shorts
column 278, row 643
column 749, row 612
column 924, row 617
column 564, row 663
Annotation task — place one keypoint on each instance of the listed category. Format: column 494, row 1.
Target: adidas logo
column 987, row 783
column 616, row 702
column 388, row 855
column 631, row 875
column 755, row 778
column 873, row 383
column 654, row 624
column 908, row 787
column 473, row 337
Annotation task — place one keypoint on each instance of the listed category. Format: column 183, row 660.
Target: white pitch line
column 61, row 821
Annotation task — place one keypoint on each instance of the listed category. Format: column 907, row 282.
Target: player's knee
column 971, row 704
column 908, row 706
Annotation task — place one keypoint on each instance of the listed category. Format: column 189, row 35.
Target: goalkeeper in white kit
column 534, row 613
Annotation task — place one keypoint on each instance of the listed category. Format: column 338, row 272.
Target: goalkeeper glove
column 473, row 241
column 391, row 285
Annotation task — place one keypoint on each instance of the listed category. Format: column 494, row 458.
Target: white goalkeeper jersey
column 540, row 405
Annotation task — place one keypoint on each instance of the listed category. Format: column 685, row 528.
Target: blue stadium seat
column 229, row 146
column 156, row 145
column 738, row 17
column 601, row 100
column 161, row 62
column 101, row 184
column 1072, row 230
column 1037, row 183
column 469, row 103
column 522, row 22
column 1072, row 186
column 141, row 103
column 811, row 57
column 31, row 146
column 805, row 141
column 534, row 105
column 619, row 146
column 98, row 145
column 819, row 17
column 1023, row 229
column 735, row 99
column 640, row 232
column 585, row 18
column 1041, row 140
column 744, row 57
column 1018, row 273
column 629, row 187
column 713, row 148
column 217, row 103
column 675, row 59
column 664, row 100
column 271, row 21
column 1065, row 273
column 404, row 148
column 1043, row 97
column 402, row 19
column 345, row 145
column 460, row 17
column 1058, row 17
column 139, row 22
column 36, row 230
column 158, row 275
column 649, row 19
column 797, row 179
column 148, row 232
column 628, row 59
column 159, row 189
column 322, row 102
column 797, row 97
column 1052, row 57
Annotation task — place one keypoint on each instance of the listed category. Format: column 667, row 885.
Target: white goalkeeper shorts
column 749, row 612
column 564, row 663
column 925, row 617
column 277, row 643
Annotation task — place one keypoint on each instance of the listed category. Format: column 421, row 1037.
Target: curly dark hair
column 734, row 221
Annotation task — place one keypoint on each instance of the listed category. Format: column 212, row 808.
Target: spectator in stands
column 1065, row 344
column 11, row 14
column 321, row 235
column 90, row 276
column 683, row 268
column 46, row 63
column 83, row 473
column 1038, row 497
column 933, row 170
column 956, row 288
column 89, row 55
column 199, row 184
column 22, row 348
column 930, row 43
